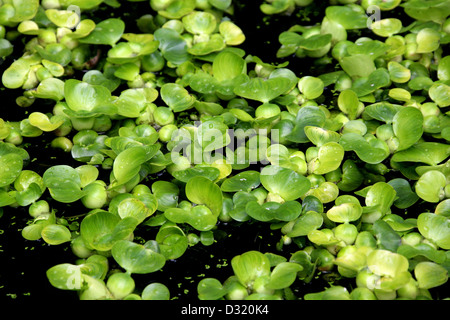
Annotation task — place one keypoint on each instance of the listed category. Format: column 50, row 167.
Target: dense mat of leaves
column 171, row 134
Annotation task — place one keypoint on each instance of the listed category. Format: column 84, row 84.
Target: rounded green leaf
column 430, row 186
column 443, row 208
column 440, row 93
column 349, row 104
column 430, row 275
column 177, row 9
column 408, row 127
column 10, row 167
column 128, row 163
column 199, row 22
column 386, row 263
column 136, row 258
column 231, row 33
column 303, row 225
column 43, row 122
column 249, row 266
column 63, row 18
column 345, row 212
column 63, row 183
column 427, row 40
column 406, row 197
column 386, row 27
column 398, row 73
column 329, row 158
column 443, row 71
column 381, row 196
column 311, row 87
column 269, row 211
column 132, row 207
column 347, row 17
column 166, row 194
column 55, row 234
column 16, row 74
column 176, row 97
column 106, row 32
column 201, row 190
column 283, row 275
column 200, row 217
column 227, row 66
column 66, row 276
column 172, row 46
column 435, row 228
column 82, row 97
column 210, row 289
column 284, row 182
column 368, row 148
column 155, row 291
column 263, row 90
column 358, row 65
column 244, row 181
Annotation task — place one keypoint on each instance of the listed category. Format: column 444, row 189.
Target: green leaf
column 155, row 291
column 406, row 197
column 347, row 17
column 284, row 182
column 185, row 175
column 11, row 165
column 430, row 186
column 84, row 98
column 244, row 181
column 303, row 225
column 249, row 266
column 311, row 87
column 269, row 211
column 172, row 46
column 408, row 127
column 439, row 93
column 306, row 116
column 128, row 163
column 136, row 258
column 431, row 153
column 101, row 229
column 430, row 275
column 263, row 90
column 166, row 194
column 358, row 65
column 201, row 190
column 106, row 32
column 345, row 212
column 435, row 228
column 388, row 239
column 200, row 217
column 283, row 275
column 66, row 276
column 55, row 234
column 176, row 97
column 199, row 22
column 368, row 148
column 210, row 289
column 329, row 158
column 63, row 183
column 227, row 66
column 348, row 103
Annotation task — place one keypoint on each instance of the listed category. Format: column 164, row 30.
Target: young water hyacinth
column 188, row 137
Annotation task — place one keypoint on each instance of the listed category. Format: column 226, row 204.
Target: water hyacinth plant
column 152, row 139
